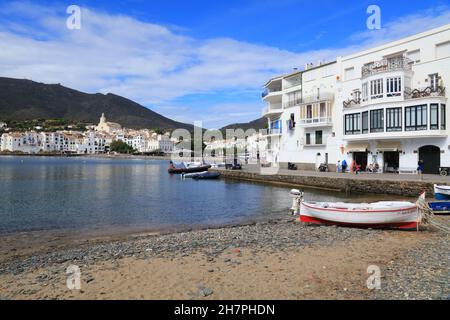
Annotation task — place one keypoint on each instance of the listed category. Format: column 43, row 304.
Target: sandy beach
column 280, row 259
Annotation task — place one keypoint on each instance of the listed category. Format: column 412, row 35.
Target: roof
column 398, row 42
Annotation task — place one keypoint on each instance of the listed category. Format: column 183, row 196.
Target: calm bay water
column 86, row 194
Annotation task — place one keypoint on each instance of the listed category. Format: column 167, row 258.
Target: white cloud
column 156, row 65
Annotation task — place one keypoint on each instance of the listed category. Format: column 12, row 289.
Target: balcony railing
column 277, row 108
column 269, row 91
column 326, row 96
column 319, row 120
column 386, row 65
column 351, row 103
column 424, row 92
column 274, row 131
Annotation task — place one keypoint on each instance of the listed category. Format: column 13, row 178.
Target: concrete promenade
column 367, row 183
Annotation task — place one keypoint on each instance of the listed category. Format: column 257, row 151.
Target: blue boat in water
column 441, row 192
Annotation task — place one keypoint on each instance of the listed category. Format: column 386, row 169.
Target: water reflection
column 98, row 194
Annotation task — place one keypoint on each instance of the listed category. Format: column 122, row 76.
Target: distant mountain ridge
column 257, row 124
column 22, row 100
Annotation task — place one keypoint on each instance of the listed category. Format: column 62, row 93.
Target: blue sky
column 193, row 60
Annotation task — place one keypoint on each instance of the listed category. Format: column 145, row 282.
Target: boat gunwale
column 360, row 211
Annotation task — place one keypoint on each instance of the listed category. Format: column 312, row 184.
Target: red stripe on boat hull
column 399, row 225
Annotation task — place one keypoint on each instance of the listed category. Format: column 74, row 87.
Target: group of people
column 355, row 167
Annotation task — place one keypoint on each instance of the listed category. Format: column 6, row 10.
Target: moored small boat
column 188, row 168
column 441, row 192
column 206, row 176
column 383, row 214
column 440, row 207
column 191, row 175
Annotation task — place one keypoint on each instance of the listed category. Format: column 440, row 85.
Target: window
column 349, row 73
column 393, row 119
column 323, row 111
column 414, row 56
column 308, row 138
column 416, row 118
column 443, row 50
column 365, row 122
column 434, row 116
column 319, row 137
column 352, row 123
column 377, row 120
column 376, row 89
column 394, row 87
column 365, row 91
column 309, row 111
column 443, row 119
column 434, row 81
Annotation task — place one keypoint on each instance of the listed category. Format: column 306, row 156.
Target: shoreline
column 281, row 259
column 93, row 156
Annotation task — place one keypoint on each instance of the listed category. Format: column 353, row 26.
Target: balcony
column 424, row 92
column 319, row 121
column 269, row 91
column 273, row 132
column 352, row 103
column 272, row 109
column 386, row 65
column 325, row 96
column 408, row 94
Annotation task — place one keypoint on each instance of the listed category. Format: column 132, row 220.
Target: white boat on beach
column 398, row 214
column 382, row 214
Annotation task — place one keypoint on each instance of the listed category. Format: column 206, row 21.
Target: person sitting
column 344, row 166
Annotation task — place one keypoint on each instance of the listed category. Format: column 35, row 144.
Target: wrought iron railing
column 438, row 91
column 350, row 103
column 386, row 65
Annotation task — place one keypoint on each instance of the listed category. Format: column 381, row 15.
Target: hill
column 257, row 124
column 22, row 100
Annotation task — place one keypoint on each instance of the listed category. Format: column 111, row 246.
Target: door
column 361, row 159
column 431, row 157
column 391, row 161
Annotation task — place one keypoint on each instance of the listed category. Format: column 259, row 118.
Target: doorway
column 391, row 161
column 431, row 156
column 361, row 159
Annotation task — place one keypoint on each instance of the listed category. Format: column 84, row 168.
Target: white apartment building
column 65, row 142
column 394, row 104
column 385, row 105
column 161, row 143
column 301, row 115
column 27, row 142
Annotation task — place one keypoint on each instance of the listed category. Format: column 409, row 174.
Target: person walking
column 420, row 167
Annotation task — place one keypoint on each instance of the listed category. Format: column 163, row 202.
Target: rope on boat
column 427, row 216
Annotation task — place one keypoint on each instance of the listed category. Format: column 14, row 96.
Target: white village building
column 385, row 105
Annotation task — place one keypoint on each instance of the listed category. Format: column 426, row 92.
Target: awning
column 357, row 147
column 387, row 146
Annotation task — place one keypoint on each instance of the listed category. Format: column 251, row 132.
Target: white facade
column 394, row 103
column 161, row 143
column 301, row 116
column 386, row 105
